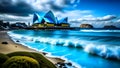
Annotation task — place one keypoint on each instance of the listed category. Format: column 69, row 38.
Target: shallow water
column 76, row 46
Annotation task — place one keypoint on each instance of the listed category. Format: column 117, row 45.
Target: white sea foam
column 16, row 37
column 103, row 51
column 86, row 30
column 100, row 50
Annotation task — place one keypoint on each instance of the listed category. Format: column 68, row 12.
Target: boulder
column 69, row 64
column 4, row 42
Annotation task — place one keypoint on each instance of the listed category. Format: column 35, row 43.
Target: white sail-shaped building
column 49, row 20
column 49, row 17
column 37, row 18
column 63, row 20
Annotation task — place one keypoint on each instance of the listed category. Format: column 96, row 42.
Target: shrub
column 21, row 62
column 44, row 63
column 21, row 53
column 3, row 58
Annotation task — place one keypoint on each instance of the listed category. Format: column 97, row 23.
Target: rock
column 63, row 64
column 44, row 53
column 17, row 41
column 86, row 26
column 79, row 47
column 16, row 46
column 64, row 67
column 69, row 64
column 4, row 42
column 60, row 64
column 109, row 26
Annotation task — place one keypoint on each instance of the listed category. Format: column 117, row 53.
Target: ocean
column 85, row 48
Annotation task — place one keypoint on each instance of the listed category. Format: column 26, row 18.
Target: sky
column 95, row 12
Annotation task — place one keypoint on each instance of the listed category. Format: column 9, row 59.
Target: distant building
column 49, row 20
column 64, row 22
column 4, row 25
column 1, row 24
column 18, row 25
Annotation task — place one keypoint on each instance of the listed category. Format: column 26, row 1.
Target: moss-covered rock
column 21, row 62
column 3, row 58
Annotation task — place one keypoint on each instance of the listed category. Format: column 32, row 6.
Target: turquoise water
column 85, row 48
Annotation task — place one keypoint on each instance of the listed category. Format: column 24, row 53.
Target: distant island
column 86, row 26
column 110, row 26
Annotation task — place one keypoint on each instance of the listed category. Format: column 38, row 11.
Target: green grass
column 44, row 63
column 21, row 53
column 21, row 62
column 3, row 58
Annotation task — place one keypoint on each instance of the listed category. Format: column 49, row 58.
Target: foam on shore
column 90, row 30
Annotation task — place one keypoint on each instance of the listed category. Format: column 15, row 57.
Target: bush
column 44, row 63
column 21, row 62
column 21, row 53
column 3, row 58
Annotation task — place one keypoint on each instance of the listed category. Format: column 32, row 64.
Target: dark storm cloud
column 19, row 8
column 22, row 9
column 26, row 7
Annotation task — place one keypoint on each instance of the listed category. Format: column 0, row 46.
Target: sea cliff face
column 86, row 26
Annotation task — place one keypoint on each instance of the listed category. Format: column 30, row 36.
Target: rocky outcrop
column 110, row 26
column 86, row 26
column 4, row 42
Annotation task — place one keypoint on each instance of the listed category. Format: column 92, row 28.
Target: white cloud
column 7, row 17
column 73, row 14
column 76, row 17
column 118, row 20
column 97, row 22
column 42, row 4
column 65, row 3
column 92, row 18
column 107, row 17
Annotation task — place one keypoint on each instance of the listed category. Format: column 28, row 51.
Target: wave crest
column 100, row 50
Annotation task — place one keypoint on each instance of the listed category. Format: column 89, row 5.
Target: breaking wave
column 21, row 38
column 90, row 30
column 104, row 51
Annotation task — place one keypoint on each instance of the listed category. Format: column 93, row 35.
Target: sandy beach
column 12, row 47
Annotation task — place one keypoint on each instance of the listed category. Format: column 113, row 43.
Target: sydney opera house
column 49, row 20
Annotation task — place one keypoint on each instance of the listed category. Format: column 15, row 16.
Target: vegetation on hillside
column 16, row 59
